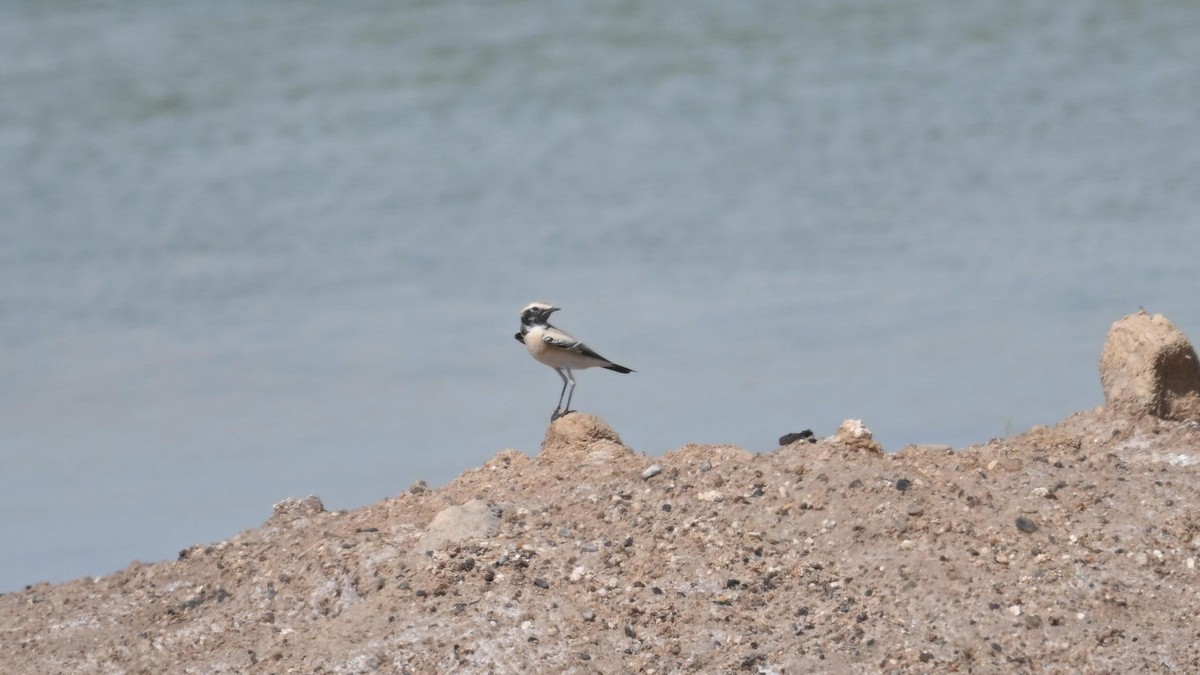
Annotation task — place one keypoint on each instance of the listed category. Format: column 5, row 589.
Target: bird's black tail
column 619, row 369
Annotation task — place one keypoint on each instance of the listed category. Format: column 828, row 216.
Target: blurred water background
column 253, row 250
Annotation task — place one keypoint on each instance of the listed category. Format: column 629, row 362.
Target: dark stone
column 806, row 435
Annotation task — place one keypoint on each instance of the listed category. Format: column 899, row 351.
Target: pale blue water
column 258, row 250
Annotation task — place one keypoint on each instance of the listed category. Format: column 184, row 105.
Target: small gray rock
column 651, row 471
column 476, row 519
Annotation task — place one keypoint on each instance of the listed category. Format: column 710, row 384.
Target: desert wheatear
column 558, row 350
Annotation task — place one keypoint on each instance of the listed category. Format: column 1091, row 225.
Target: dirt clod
column 1148, row 367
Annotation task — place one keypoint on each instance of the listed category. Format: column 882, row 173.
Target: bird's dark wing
column 571, row 344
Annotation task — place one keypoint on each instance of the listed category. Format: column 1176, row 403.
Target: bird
column 558, row 350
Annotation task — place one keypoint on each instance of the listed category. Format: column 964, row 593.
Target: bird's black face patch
column 535, row 315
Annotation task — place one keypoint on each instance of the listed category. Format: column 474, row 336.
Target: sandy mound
column 1066, row 549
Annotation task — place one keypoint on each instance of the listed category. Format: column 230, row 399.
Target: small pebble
column 1026, row 525
column 541, row 583
column 584, row 656
column 903, row 484
column 651, row 471
column 915, row 509
column 666, row 508
column 588, row 615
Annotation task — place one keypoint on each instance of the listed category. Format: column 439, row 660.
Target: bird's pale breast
column 556, row 357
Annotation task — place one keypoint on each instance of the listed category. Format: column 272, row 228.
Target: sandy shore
column 1066, row 549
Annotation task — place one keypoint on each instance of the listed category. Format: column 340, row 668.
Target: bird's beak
column 552, row 310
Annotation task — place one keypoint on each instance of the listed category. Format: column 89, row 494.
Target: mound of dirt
column 1065, row 549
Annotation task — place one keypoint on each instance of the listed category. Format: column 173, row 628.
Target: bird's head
column 537, row 313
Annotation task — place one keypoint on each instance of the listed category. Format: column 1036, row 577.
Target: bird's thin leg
column 571, row 377
column 558, row 408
